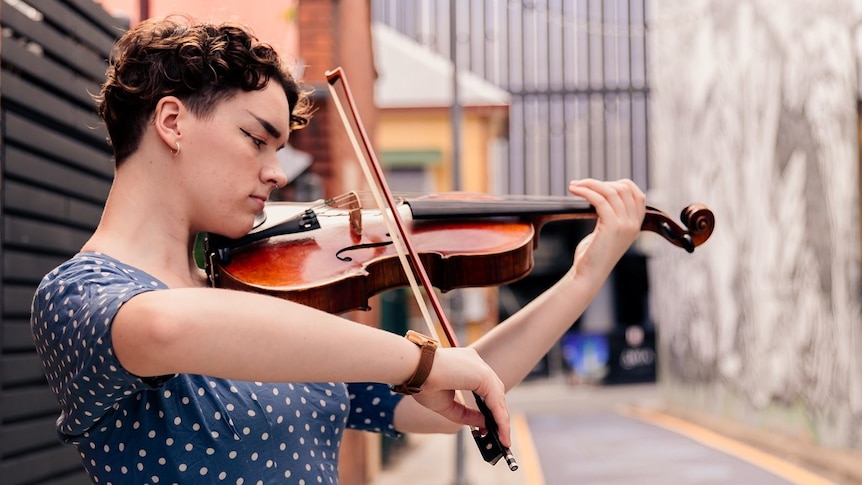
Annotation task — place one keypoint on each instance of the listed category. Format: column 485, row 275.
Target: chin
column 236, row 230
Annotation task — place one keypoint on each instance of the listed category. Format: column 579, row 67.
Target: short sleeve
column 372, row 407
column 72, row 312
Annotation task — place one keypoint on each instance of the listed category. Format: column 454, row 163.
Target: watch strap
column 428, row 347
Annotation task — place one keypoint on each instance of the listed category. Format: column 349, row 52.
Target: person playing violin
column 162, row 379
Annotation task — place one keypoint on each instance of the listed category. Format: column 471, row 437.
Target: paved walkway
column 596, row 435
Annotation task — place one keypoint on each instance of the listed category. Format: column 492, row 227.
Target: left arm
column 514, row 346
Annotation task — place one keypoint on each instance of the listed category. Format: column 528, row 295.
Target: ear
column 166, row 118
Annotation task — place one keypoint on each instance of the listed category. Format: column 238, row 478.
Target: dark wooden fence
column 55, row 170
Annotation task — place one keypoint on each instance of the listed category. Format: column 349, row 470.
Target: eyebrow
column 267, row 126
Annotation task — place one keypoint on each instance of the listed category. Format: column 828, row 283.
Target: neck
column 143, row 227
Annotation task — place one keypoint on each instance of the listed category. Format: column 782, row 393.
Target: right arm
column 254, row 337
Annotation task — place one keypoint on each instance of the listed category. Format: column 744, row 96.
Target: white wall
column 754, row 113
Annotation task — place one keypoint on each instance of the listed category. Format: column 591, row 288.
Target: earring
column 174, row 153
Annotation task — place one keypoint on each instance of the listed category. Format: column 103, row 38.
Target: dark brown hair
column 201, row 64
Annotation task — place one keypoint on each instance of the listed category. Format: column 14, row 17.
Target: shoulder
column 70, row 320
column 87, row 282
column 92, row 266
column 98, row 272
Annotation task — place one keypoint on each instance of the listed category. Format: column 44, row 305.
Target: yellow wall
column 426, row 129
column 430, row 129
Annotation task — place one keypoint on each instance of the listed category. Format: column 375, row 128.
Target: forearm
column 513, row 347
column 253, row 337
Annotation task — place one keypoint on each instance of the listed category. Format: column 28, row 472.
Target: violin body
column 336, row 268
column 333, row 255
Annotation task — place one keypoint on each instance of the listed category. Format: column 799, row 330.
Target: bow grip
column 489, row 443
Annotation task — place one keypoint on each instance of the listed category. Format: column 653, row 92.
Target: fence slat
column 18, row 369
column 50, row 106
column 113, row 26
column 78, row 28
column 55, row 176
column 19, row 438
column 37, row 203
column 41, row 466
column 76, row 87
column 42, row 139
column 36, row 235
column 84, row 60
column 29, row 403
column 16, row 336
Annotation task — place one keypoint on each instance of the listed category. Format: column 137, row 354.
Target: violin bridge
column 354, row 208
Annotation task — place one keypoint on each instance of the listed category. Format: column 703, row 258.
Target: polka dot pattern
column 182, row 428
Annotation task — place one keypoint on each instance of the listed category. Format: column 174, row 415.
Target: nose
column 273, row 172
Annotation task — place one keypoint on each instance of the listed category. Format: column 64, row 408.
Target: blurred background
column 748, row 106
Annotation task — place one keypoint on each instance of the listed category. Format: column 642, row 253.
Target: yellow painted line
column 528, row 457
column 782, row 468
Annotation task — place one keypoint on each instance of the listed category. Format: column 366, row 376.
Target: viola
column 334, row 255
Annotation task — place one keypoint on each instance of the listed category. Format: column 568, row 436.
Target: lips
column 260, row 201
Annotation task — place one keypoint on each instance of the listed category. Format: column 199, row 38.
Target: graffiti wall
column 754, row 112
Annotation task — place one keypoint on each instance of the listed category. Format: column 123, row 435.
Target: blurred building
column 274, row 22
column 752, row 109
column 576, row 75
column 414, row 95
column 575, row 71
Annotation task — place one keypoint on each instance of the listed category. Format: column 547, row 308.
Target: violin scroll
column 698, row 219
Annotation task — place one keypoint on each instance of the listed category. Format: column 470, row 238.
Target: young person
column 162, row 379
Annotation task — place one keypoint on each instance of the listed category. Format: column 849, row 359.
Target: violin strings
column 335, row 206
column 365, row 199
column 365, row 196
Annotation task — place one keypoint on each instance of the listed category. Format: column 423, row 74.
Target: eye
column 257, row 141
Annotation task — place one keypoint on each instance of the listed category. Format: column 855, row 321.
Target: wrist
column 427, row 350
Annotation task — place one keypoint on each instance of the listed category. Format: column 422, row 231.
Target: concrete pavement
column 550, row 409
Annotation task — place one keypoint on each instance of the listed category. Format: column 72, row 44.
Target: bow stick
column 489, row 442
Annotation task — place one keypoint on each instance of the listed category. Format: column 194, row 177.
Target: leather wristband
column 428, row 346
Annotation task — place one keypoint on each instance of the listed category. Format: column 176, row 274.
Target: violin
column 310, row 252
column 335, row 255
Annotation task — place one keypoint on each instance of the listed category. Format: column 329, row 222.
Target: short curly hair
column 201, row 64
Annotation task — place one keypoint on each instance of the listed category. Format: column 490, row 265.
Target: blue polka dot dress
column 183, row 428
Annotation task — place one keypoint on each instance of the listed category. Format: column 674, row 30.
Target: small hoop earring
column 174, row 153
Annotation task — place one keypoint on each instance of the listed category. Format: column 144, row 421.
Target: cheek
column 219, row 163
column 221, row 159
column 211, row 142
